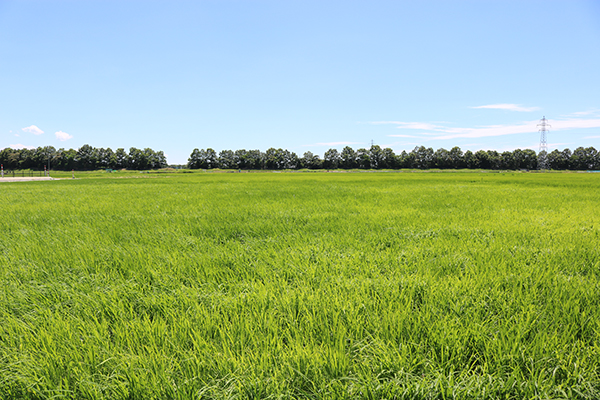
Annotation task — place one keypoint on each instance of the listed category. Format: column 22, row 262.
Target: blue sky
column 301, row 75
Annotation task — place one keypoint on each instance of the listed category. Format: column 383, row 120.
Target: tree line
column 86, row 158
column 375, row 157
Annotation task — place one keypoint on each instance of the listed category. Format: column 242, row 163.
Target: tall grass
column 366, row 285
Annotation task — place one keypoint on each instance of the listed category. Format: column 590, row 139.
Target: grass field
column 301, row 285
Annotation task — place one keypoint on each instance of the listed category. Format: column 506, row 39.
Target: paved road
column 26, row 178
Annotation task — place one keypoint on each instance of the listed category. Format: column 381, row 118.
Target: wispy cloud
column 592, row 137
column 411, row 125
column 21, row 146
column 445, row 132
column 584, row 113
column 333, row 144
column 33, row 129
column 62, row 136
column 396, row 144
column 404, row 136
column 488, row 131
column 509, row 107
column 572, row 123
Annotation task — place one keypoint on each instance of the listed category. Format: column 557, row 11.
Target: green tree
column 348, row 158
column 363, row 158
column 331, row 159
column 160, row 160
column 507, row 160
column 584, row 158
column 494, row 159
column 293, row 161
column 389, row 159
column 106, row 158
column 154, row 159
column 422, row 157
column 483, row 159
column 241, row 159
column 405, row 160
column 274, row 158
column 311, row 161
column 525, row 159
column 456, row 157
column 442, row 159
column 470, row 160
column 137, row 159
column 121, row 158
column 256, row 159
column 194, row 161
column 66, row 159
column 227, row 159
column 9, row 158
column 376, row 157
column 86, row 158
column 211, row 158
column 205, row 159
column 42, row 157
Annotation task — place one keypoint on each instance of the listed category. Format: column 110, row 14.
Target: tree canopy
column 84, row 159
column 375, row 157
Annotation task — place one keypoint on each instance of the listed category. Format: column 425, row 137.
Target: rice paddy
column 301, row 285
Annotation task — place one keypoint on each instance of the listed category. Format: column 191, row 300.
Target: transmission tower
column 543, row 153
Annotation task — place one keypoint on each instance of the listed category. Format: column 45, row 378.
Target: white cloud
column 405, row 136
column 410, row 125
column 333, row 144
column 491, row 130
column 592, row 137
column 21, row 146
column 33, row 129
column 584, row 113
column 442, row 132
column 509, row 107
column 16, row 134
column 62, row 136
column 573, row 123
column 408, row 144
column 400, row 145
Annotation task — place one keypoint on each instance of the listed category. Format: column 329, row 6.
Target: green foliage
column 86, row 158
column 301, row 285
column 375, row 157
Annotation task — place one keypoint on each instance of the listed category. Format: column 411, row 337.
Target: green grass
column 301, row 285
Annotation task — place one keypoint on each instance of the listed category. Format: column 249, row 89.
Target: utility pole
column 543, row 153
